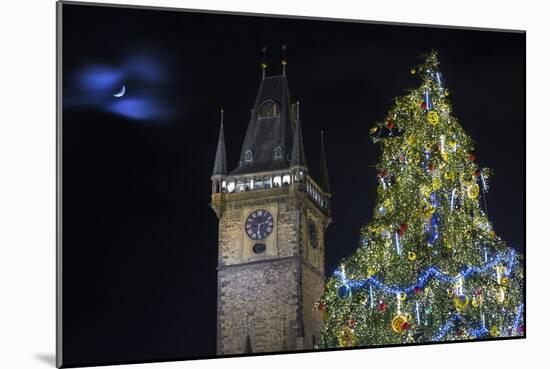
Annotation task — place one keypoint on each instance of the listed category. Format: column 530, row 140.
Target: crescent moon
column 121, row 92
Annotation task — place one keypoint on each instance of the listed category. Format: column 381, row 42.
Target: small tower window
column 268, row 110
column 278, row 152
column 248, row 156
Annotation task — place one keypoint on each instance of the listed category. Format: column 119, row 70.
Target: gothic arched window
column 269, row 109
column 248, row 156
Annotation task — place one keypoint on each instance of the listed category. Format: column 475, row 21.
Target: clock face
column 259, row 224
column 313, row 239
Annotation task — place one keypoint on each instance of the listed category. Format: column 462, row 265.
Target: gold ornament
column 473, row 190
column 461, row 302
column 413, row 71
column 427, row 211
column 398, row 323
column 447, row 92
column 500, row 295
column 450, row 175
column 494, row 331
column 346, row 337
column 504, row 281
column 412, row 255
column 445, row 156
column 402, row 296
column 433, row 118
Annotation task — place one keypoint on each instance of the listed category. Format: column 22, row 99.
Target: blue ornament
column 344, row 292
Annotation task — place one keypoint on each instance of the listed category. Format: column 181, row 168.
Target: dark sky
column 140, row 240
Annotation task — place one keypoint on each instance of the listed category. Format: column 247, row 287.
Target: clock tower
column 272, row 219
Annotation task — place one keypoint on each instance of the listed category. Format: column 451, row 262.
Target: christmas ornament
column 411, row 255
column 461, row 302
column 399, row 323
column 494, row 331
column 402, row 296
column 471, row 157
column 417, row 290
column 382, row 306
column 431, row 167
column 472, row 190
column 450, row 175
column 346, row 337
column 389, row 125
column 427, row 211
column 447, row 93
column 382, row 210
column 433, row 118
column 344, row 292
column 413, row 71
column 500, row 295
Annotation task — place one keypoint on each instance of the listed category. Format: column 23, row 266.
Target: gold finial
column 283, row 61
column 264, row 63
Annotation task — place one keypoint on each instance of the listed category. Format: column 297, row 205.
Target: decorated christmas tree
column 430, row 266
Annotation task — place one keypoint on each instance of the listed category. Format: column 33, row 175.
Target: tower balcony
column 250, row 186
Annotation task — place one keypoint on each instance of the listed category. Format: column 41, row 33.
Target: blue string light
column 424, row 277
column 472, row 332
column 518, row 319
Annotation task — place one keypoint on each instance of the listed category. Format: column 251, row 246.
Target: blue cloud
column 146, row 85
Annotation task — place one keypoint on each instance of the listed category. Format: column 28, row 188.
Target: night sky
column 139, row 237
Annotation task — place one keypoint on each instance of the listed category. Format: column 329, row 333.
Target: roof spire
column 264, row 62
column 283, row 61
column 220, row 162
column 298, row 157
column 324, row 171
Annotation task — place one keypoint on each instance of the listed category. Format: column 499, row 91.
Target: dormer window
column 248, row 156
column 278, row 152
column 269, row 109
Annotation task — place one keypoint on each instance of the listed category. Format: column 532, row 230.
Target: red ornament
column 382, row 307
column 417, row 290
column 459, row 332
column 322, row 306
column 352, row 323
column 423, row 106
column 431, row 167
column 405, row 326
column 478, row 291
column 404, row 227
column 472, row 157
column 477, row 173
column 400, row 232
column 382, row 174
column 521, row 329
column 389, row 125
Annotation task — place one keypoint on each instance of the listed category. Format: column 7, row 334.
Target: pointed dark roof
column 324, row 171
column 298, row 155
column 220, row 162
column 264, row 135
column 247, row 345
